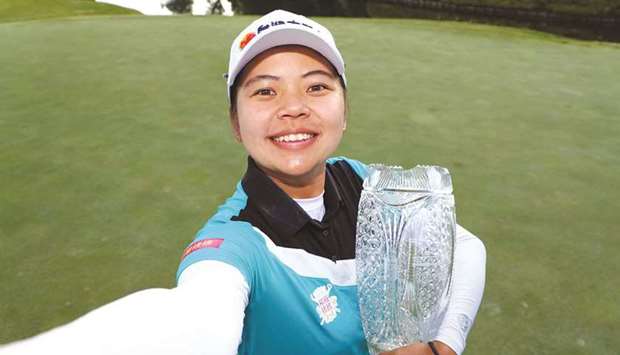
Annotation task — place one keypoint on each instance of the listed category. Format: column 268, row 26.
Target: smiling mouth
column 293, row 137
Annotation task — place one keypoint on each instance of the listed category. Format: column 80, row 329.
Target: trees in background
column 200, row 7
column 358, row 8
column 354, row 8
column 365, row 8
column 180, row 6
column 588, row 19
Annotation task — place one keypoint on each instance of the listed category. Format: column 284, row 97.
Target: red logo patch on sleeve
column 201, row 244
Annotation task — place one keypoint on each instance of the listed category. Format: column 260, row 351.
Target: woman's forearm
column 467, row 289
column 188, row 320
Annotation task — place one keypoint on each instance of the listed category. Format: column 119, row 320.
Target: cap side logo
column 246, row 39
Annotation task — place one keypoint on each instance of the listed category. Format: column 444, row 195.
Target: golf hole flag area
column 115, row 147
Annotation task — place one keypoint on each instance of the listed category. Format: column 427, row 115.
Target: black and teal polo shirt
column 301, row 272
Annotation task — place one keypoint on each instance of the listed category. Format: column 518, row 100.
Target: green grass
column 115, row 148
column 20, row 10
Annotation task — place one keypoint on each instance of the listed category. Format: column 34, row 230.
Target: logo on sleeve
column 202, row 244
column 326, row 305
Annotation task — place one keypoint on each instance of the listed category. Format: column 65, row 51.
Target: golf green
column 115, row 148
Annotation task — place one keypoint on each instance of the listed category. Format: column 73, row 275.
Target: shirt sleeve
column 202, row 315
column 233, row 243
column 468, row 286
column 218, row 328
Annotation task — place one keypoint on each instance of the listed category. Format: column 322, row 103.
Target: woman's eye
column 264, row 92
column 317, row 88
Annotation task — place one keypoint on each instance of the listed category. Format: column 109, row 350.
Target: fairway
column 115, row 147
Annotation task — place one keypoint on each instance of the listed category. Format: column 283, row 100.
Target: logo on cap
column 246, row 39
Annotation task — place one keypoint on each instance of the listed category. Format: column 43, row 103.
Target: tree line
column 360, row 8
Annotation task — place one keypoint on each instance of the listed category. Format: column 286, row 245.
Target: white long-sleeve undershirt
column 468, row 278
column 204, row 313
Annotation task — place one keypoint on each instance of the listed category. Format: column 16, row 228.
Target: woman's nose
column 293, row 105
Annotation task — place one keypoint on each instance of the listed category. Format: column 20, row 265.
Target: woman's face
column 290, row 114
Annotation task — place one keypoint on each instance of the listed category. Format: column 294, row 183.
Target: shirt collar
column 285, row 216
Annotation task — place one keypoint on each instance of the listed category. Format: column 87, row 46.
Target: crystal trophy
column 406, row 228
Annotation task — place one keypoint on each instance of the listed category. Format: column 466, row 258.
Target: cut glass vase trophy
column 404, row 253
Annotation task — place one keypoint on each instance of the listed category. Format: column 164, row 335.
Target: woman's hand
column 421, row 349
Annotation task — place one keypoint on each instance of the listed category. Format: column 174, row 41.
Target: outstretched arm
column 203, row 314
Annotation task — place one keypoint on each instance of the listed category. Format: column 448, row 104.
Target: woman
column 272, row 272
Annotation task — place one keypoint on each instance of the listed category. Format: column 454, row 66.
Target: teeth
column 293, row 137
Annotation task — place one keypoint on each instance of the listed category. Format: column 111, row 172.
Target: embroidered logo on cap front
column 246, row 39
column 201, row 244
column 326, row 305
column 272, row 24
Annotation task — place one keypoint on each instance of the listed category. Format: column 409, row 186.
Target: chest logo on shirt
column 326, row 305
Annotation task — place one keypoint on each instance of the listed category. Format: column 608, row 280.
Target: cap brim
column 288, row 36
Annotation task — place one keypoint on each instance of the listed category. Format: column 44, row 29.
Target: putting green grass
column 115, row 148
column 20, row 10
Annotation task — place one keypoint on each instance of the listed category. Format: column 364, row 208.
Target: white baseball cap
column 279, row 28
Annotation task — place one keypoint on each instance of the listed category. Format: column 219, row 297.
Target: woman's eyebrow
column 319, row 72
column 261, row 77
